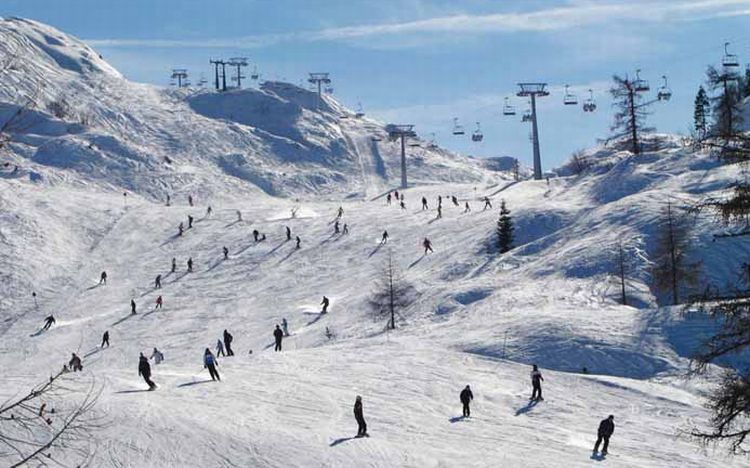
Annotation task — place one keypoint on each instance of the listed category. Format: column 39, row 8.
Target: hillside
column 478, row 318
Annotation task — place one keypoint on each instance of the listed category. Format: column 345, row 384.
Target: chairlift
column 329, row 90
column 729, row 60
column 458, row 129
column 640, row 85
column 477, row 136
column 255, row 74
column 376, row 138
column 414, row 144
column 569, row 99
column 526, row 117
column 432, row 144
column 664, row 93
column 508, row 109
column 589, row 105
column 360, row 112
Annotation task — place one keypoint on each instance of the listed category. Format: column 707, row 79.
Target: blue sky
column 426, row 62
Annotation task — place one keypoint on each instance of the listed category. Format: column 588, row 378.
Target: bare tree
column 579, row 163
column 392, row 294
column 671, row 270
column 630, row 112
column 622, row 269
column 49, row 420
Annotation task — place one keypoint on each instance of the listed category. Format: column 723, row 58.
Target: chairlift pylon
column 589, row 105
column 477, row 136
column 508, row 109
column 664, row 93
column 569, row 99
column 458, row 129
column 729, row 60
column 640, row 85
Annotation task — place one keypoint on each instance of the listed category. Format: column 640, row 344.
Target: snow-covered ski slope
column 479, row 319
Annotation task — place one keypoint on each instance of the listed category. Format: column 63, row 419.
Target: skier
column 48, row 322
column 181, row 229
column 262, row 237
column 209, row 211
column 487, row 203
column 536, row 383
column 228, row 343
column 75, row 363
column 169, row 200
column 325, row 303
column 440, row 201
column 427, row 243
column 346, row 229
column 174, row 264
column 210, row 363
column 467, row 208
column 606, row 428
column 402, row 197
column 190, row 200
column 424, row 204
column 220, row 348
column 256, row 235
column 144, row 370
column 190, row 221
column 384, row 239
column 440, row 212
column 288, row 233
column 159, row 303
column 360, row 418
column 395, row 194
column 298, row 242
column 285, row 326
column 388, row 198
column 239, row 216
column 454, row 200
column 190, row 264
column 105, row 339
column 403, row 205
column 340, row 212
column 103, row 278
column 226, row 252
column 157, row 282
column 132, row 307
column 278, row 335
column 336, row 228
column 466, row 397
column 157, row 356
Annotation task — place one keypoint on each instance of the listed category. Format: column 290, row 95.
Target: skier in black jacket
column 144, row 370
column 466, row 397
column 288, row 233
column 103, row 278
column 360, row 418
column 536, row 384
column 606, row 428
column 132, row 307
column 48, row 322
column 325, row 304
column 105, row 339
column 278, row 335
column 228, row 343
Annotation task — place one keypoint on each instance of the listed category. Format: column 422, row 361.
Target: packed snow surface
column 478, row 318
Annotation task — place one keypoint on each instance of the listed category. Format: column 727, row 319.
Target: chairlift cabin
column 664, row 93
column 569, row 99
column 729, row 60
column 589, row 105
column 360, row 112
column 526, row 117
column 508, row 109
column 458, row 129
column 255, row 74
column 477, row 136
column 640, row 85
column 329, row 90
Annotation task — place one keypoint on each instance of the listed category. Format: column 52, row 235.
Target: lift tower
column 401, row 131
column 319, row 79
column 238, row 62
column 181, row 75
column 532, row 90
column 223, row 64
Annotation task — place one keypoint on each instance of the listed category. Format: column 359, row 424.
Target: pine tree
column 630, row 114
column 700, row 114
column 726, row 111
column 504, row 229
column 671, row 270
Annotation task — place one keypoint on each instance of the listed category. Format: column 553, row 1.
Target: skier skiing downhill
column 219, row 348
column 226, row 252
column 190, row 200
column 174, row 265
column 288, row 233
column 209, row 210
column 228, row 338
column 336, row 227
column 256, row 235
column 103, row 278
column 285, row 326
column 48, row 322
column 75, row 363
column 144, row 370
column 454, row 200
column 388, row 198
column 157, row 282
column 239, row 215
column 606, row 429
column 427, row 244
column 278, row 335
column 190, row 265
column 467, row 208
column 325, row 303
column 395, row 194
column 132, row 307
column 439, row 212
column 190, row 221
column 424, row 204
column 157, row 356
column 536, row 383
column 340, row 212
column 210, row 363
column 384, row 239
column 360, row 418
column 403, row 205
column 487, row 203
column 346, row 229
column 159, row 303
column 299, row 241
column 181, row 229
column 466, row 396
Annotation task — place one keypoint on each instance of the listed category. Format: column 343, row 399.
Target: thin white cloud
column 572, row 16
